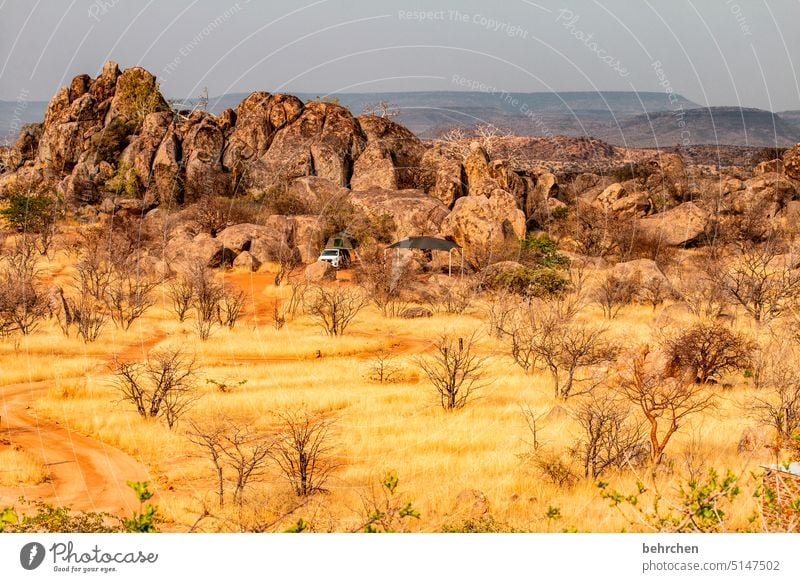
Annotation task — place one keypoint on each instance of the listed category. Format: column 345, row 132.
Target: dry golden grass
column 379, row 428
column 19, row 468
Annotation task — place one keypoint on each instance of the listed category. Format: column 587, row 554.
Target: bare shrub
column 664, row 402
column 778, row 402
column 385, row 280
column 230, row 306
column 247, row 454
column 216, row 213
column 180, row 290
column 707, row 350
column 455, row 371
column 160, row 387
column 615, row 292
column 22, row 304
column 90, row 316
column 128, row 295
column 207, row 296
column 456, row 297
column 382, row 368
column 335, row 308
column 758, row 280
column 304, row 451
column 610, row 438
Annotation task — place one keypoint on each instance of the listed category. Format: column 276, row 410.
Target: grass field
column 468, row 464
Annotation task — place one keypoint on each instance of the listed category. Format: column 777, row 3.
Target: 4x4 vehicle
column 338, row 258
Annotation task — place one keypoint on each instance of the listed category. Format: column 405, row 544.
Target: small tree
column 128, row 295
column 615, row 292
column 708, row 349
column 161, row 387
column 455, row 371
column 385, row 280
column 206, row 300
column 778, row 402
column 335, row 308
column 664, row 402
column 22, row 304
column 385, row 512
column 247, row 453
column 180, row 290
column 230, row 306
column 609, row 437
column 210, row 439
column 759, row 281
column 304, row 452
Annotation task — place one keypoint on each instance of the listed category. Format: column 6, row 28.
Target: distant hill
column 618, row 117
column 714, row 125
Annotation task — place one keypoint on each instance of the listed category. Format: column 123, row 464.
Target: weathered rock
column 681, row 226
column 104, row 85
column 246, row 262
column 404, row 149
column 202, row 156
column 770, row 167
column 637, row 203
column 412, row 212
column 167, row 180
column 136, row 91
column 276, row 234
column 239, row 237
column 319, row 272
column 443, row 176
column 142, row 150
column 545, row 188
column 257, row 118
column 317, row 195
column 791, row 162
column 374, row 168
column 324, row 140
column 611, row 195
column 202, row 250
column 416, row 313
column 478, row 223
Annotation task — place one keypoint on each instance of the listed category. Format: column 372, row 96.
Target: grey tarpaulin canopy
column 430, row 243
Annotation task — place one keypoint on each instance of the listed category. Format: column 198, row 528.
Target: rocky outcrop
column 443, row 175
column 412, row 212
column 480, row 223
column 202, row 147
column 392, row 156
column 791, row 162
column 142, row 150
column 324, row 140
column 684, row 225
column 319, row 272
column 668, row 179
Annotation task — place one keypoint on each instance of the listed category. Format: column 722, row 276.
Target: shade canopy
column 425, row 243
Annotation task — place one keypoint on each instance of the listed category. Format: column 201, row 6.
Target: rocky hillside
column 113, row 141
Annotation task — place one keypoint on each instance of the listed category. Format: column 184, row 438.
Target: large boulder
column 167, row 181
column 479, row 223
column 480, row 181
column 324, row 140
column 308, row 237
column 136, row 91
column 668, row 179
column 202, row 157
column 611, row 195
column 141, row 152
column 413, row 212
column 791, row 162
column 391, row 158
column 319, row 272
column 255, row 122
column 443, row 175
column 200, row 250
column 683, row 225
column 316, row 194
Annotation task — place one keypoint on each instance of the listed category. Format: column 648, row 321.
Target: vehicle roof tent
column 341, row 240
column 430, row 243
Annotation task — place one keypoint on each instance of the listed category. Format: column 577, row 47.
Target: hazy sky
column 720, row 52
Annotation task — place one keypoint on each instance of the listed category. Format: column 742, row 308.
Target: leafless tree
column 89, row 315
column 304, row 450
column 665, row 402
column 778, row 402
column 335, row 308
column 381, row 108
column 455, row 370
column 385, row 280
column 288, row 258
column 180, row 290
column 128, row 295
column 760, row 281
column 22, row 304
column 246, row 453
column 706, row 350
column 382, row 367
column 610, row 438
column 615, row 292
column 162, row 386
column 456, row 297
column 230, row 306
column 210, row 439
column 206, row 301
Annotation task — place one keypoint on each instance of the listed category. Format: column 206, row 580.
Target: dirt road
column 84, row 473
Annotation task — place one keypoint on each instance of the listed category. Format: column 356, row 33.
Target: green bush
column 542, row 251
column 529, row 282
